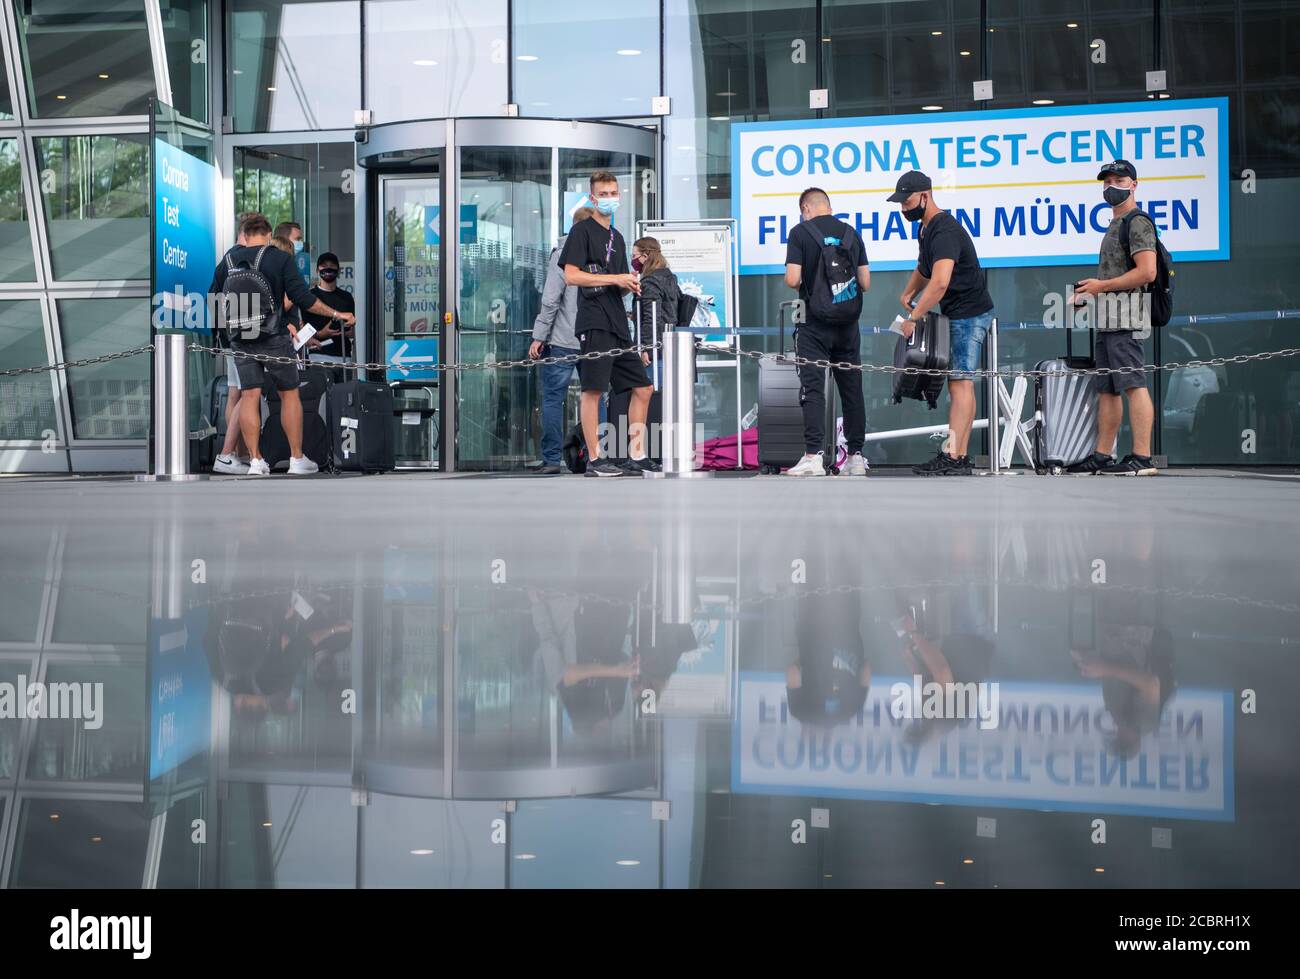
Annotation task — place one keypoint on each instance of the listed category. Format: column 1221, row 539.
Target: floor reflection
column 665, row 690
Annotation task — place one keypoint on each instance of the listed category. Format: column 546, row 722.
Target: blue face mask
column 607, row 205
column 297, row 246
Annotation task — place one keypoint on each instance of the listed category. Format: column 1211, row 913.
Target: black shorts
column 255, row 374
column 1118, row 348
column 618, row 374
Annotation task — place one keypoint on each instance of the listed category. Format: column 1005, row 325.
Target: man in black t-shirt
column 602, row 325
column 282, row 276
column 947, row 275
column 826, row 341
column 335, row 338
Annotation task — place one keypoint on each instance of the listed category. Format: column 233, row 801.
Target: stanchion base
column 187, row 478
column 693, row 474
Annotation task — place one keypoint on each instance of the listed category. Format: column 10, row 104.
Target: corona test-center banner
column 1021, row 181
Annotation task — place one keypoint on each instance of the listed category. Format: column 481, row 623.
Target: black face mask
column 914, row 213
column 329, row 275
column 1115, row 196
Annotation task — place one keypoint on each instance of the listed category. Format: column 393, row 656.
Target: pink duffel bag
column 720, row 452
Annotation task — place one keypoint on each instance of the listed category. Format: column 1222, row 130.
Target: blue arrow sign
column 410, row 359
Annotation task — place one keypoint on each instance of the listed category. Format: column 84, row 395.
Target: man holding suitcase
column 947, row 275
column 1121, row 275
column 833, row 300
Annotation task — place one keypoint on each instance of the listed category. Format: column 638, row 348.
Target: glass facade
column 269, row 75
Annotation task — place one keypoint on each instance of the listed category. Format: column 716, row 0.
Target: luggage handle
column 792, row 303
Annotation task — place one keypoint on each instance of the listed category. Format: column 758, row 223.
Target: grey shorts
column 232, row 372
column 1118, row 348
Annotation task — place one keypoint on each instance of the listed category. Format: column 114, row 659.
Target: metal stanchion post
column 994, row 406
column 677, row 438
column 171, row 430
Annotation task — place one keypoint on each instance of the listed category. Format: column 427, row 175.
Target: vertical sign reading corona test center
column 184, row 238
column 1023, row 182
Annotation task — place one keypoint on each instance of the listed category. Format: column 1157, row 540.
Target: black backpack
column 1161, row 290
column 249, row 310
column 833, row 294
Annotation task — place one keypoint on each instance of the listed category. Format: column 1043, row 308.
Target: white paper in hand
column 897, row 326
column 304, row 334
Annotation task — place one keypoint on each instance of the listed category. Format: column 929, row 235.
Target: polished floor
column 462, row 681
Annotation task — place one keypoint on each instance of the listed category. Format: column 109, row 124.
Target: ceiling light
column 628, row 863
column 1095, row 44
column 719, row 118
column 1044, row 101
column 1164, row 95
column 54, row 816
column 713, row 186
column 267, row 824
column 424, row 62
column 964, row 54
column 628, row 52
column 938, row 883
column 96, row 839
column 270, row 88
column 525, row 856
column 936, row 33
column 725, row 95
column 1099, row 870
column 103, row 74
column 526, row 57
column 421, row 853
column 931, row 108
column 968, row 860
column 1071, row 26
column 60, row 97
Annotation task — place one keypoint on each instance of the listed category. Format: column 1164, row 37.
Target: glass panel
column 405, row 844
column 308, row 183
column 606, row 843
column 288, row 836
column 68, row 749
column 17, row 263
column 185, row 36
column 85, row 59
column 430, row 61
column 412, row 290
column 26, row 400
column 76, row 843
column 294, row 65
column 6, row 101
column 103, row 598
column 729, row 62
column 619, row 44
column 95, row 192
column 9, row 673
column 506, row 194
column 109, row 400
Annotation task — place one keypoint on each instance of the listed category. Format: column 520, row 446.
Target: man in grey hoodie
column 553, row 336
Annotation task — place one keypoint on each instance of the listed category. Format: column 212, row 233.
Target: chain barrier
column 756, row 355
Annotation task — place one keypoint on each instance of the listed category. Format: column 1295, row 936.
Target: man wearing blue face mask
column 1121, row 275
column 595, row 259
column 293, row 231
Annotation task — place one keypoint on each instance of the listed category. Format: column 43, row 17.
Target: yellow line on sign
column 1032, row 183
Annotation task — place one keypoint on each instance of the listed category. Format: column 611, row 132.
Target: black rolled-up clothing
column 841, row 343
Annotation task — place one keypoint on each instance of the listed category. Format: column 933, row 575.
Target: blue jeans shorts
column 966, row 344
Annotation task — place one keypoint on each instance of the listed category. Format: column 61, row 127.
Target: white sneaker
column 855, row 465
column 809, row 465
column 231, row 465
column 258, row 467
column 302, row 466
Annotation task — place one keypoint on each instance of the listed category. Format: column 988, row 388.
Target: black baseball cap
column 912, row 182
column 1118, row 168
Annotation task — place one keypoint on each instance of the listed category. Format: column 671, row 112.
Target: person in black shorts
column 602, row 325
column 281, row 274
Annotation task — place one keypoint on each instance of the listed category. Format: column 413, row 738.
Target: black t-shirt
column 804, row 246
column 589, row 241
column 280, row 272
column 967, row 294
column 343, row 302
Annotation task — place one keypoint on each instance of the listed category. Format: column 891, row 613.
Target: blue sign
column 185, row 251
column 411, row 359
column 468, row 224
column 180, row 691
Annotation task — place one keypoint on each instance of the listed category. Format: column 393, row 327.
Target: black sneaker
column 1092, row 465
column 548, row 469
column 1130, row 465
column 604, row 467
column 940, row 465
column 961, row 467
column 637, row 466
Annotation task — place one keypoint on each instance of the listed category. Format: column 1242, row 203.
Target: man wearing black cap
column 1121, row 275
column 947, row 275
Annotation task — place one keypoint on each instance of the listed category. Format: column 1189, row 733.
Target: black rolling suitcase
column 274, row 444
column 1065, row 410
column 926, row 348
column 780, row 415
column 361, row 426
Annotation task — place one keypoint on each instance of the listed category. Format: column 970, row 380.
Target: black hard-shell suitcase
column 1065, row 410
column 926, row 348
column 780, row 415
column 361, row 426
